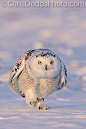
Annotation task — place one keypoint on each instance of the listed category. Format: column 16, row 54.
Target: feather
column 63, row 74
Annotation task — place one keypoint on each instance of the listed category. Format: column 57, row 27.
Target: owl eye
column 51, row 62
column 39, row 62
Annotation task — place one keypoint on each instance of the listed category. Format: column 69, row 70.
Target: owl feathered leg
column 40, row 104
column 32, row 102
column 32, row 98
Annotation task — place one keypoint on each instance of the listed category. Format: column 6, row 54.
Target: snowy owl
column 37, row 74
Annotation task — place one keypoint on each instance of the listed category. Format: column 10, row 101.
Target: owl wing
column 63, row 75
column 17, row 70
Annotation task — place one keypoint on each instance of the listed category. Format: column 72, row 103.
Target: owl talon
column 43, row 107
column 34, row 103
column 40, row 99
column 43, row 99
column 30, row 103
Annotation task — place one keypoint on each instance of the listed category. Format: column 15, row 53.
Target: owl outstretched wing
column 63, row 75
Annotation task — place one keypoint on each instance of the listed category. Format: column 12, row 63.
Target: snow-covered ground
column 63, row 30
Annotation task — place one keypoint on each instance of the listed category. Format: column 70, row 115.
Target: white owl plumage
column 37, row 74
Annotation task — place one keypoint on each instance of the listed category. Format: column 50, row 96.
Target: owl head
column 44, row 64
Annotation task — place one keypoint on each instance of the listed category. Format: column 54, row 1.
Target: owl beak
column 45, row 67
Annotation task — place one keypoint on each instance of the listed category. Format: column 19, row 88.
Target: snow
column 62, row 30
column 84, row 78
